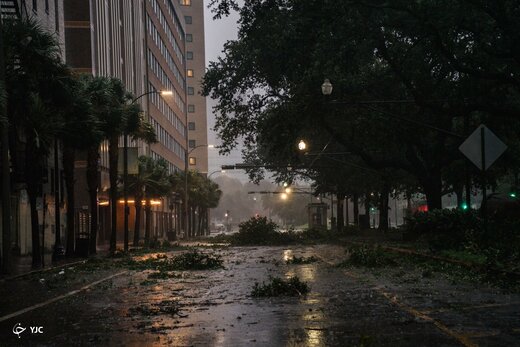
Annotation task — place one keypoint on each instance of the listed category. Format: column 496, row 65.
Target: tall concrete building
column 193, row 12
column 141, row 42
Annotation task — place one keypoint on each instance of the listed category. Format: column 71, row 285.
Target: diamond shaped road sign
column 472, row 147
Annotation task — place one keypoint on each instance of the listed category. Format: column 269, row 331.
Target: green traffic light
column 464, row 206
column 512, row 195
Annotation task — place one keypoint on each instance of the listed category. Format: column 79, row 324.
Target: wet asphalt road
column 344, row 308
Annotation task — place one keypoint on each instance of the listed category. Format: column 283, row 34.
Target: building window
column 185, row 2
column 191, row 91
column 192, row 144
column 35, row 5
column 193, row 161
column 189, row 38
column 189, row 55
column 47, row 6
column 188, row 19
column 190, row 73
column 191, row 108
column 191, row 126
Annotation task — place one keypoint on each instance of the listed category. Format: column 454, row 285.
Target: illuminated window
column 188, row 19
column 185, row 2
column 189, row 55
column 191, row 108
column 191, row 91
column 189, row 38
column 193, row 161
column 191, row 126
column 192, row 144
column 190, row 73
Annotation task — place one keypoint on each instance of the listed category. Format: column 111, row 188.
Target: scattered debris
column 302, row 260
column 280, row 287
column 170, row 307
column 368, row 256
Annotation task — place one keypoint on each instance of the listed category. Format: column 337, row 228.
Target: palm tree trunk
column 113, row 148
column 148, row 222
column 137, row 225
column 93, row 185
column 68, row 170
column 33, row 173
column 35, row 225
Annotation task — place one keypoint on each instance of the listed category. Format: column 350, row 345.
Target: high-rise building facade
column 141, row 42
column 193, row 12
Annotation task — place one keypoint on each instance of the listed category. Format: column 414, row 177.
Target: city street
column 390, row 306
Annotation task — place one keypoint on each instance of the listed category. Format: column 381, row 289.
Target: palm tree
column 203, row 194
column 34, row 78
column 79, row 130
column 158, row 186
column 115, row 114
column 152, row 181
column 98, row 92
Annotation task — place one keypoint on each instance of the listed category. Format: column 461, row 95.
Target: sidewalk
column 22, row 265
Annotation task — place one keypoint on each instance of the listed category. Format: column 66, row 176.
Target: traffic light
column 513, row 192
column 464, row 206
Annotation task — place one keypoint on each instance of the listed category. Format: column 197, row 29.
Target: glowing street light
column 284, row 196
column 302, row 145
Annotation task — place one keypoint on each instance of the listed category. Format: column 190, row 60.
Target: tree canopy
column 410, row 80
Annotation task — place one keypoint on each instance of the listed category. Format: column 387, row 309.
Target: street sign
column 482, row 137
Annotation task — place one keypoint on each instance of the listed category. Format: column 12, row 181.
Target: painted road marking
column 464, row 340
column 58, row 298
column 466, row 308
column 459, row 337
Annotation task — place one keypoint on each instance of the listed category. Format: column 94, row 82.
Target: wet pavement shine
column 215, row 307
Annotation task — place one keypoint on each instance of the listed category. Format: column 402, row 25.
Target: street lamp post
column 125, row 168
column 214, row 172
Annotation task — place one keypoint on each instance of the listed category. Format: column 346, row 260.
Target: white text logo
column 18, row 329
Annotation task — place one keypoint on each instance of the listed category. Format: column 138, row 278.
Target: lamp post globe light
column 125, row 167
column 326, row 87
column 302, row 146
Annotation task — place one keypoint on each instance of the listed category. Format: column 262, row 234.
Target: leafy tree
column 450, row 68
